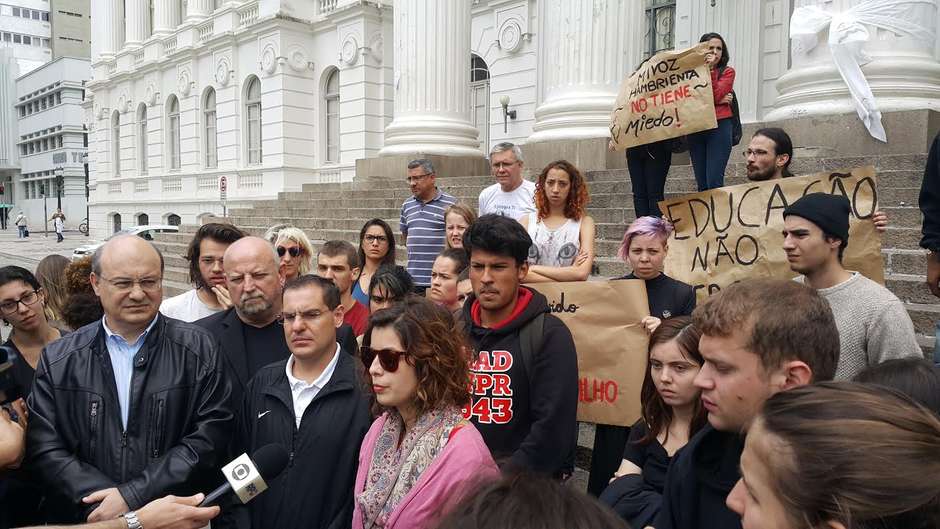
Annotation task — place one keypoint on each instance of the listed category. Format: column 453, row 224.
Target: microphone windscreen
column 270, row 460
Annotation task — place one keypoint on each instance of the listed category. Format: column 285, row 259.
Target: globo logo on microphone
column 243, row 476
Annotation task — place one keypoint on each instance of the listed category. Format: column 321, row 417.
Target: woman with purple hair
column 644, row 248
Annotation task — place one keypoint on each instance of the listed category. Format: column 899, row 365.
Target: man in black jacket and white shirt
column 133, row 407
column 524, row 405
column 312, row 404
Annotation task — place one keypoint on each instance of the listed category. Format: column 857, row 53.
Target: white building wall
column 29, row 56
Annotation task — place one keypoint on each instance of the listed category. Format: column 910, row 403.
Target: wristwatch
column 132, row 521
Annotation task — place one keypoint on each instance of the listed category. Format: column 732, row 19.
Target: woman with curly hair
column 420, row 456
column 82, row 305
column 562, row 235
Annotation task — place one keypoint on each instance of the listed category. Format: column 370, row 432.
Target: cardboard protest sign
column 731, row 233
column 669, row 95
column 604, row 319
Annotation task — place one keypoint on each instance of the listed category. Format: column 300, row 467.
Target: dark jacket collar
column 344, row 379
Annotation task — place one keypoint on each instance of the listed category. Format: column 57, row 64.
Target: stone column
column 586, row 49
column 431, row 79
column 108, row 22
column 138, row 22
column 903, row 72
column 166, row 16
column 197, row 10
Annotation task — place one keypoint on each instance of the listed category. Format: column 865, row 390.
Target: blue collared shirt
column 122, row 362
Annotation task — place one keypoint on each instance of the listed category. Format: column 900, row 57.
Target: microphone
column 247, row 476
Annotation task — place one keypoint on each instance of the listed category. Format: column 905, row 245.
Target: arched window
column 173, row 219
column 143, row 219
column 173, row 132
column 332, row 116
column 480, row 98
column 142, row 138
column 116, row 222
column 253, row 113
column 116, row 142
column 209, row 121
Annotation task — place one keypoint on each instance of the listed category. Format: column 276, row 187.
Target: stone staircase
column 338, row 211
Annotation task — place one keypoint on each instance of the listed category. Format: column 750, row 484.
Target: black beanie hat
column 829, row 212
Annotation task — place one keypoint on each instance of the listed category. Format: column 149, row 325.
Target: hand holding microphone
column 248, row 476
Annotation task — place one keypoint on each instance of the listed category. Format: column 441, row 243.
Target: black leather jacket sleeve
column 48, row 453
column 199, row 450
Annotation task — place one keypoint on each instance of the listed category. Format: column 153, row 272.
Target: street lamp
column 45, row 207
column 59, row 180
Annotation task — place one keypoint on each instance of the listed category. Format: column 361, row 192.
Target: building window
column 143, row 219
column 332, row 117
column 116, row 222
column 142, row 138
column 253, row 113
column 116, row 142
column 480, row 98
column 58, row 98
column 660, row 26
column 16, row 11
column 173, row 132
column 211, row 142
column 45, row 17
column 173, row 219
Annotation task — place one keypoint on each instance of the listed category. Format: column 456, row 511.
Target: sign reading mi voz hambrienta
column 668, row 96
column 604, row 319
column 731, row 233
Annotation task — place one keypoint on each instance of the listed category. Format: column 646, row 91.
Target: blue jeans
column 22, row 231
column 709, row 151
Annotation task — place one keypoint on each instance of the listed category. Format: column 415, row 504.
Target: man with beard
column 206, row 273
column 768, row 156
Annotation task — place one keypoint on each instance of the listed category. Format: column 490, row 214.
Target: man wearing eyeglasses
column 511, row 196
column 132, row 408
column 312, row 404
column 422, row 221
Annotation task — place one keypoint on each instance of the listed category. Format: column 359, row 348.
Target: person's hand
column 12, row 436
column 581, row 258
column 711, row 59
column 880, row 219
column 222, row 295
column 611, row 146
column 729, row 97
column 933, row 273
column 176, row 513
column 111, row 504
column 651, row 323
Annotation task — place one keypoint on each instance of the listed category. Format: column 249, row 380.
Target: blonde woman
column 295, row 251
column 457, row 218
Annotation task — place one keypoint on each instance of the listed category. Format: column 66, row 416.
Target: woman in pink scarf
column 420, row 456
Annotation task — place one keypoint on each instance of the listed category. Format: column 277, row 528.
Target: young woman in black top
column 672, row 413
column 644, row 248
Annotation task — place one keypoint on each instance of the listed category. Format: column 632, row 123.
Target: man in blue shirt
column 422, row 221
column 134, row 407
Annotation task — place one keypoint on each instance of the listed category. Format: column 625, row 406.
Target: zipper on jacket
column 123, row 455
column 158, row 428
column 93, row 427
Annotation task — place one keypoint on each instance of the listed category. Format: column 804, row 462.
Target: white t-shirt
column 59, row 224
column 514, row 204
column 186, row 307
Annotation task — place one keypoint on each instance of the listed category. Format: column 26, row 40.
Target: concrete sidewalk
column 29, row 251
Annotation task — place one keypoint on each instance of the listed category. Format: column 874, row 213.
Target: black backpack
column 736, row 132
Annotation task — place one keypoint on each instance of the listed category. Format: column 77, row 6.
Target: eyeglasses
column 287, row 318
column 375, row 238
column 294, row 251
column 147, row 284
column 504, row 165
column 27, row 299
column 417, row 177
column 388, row 358
column 755, row 152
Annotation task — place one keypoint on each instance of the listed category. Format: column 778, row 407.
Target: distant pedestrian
column 21, row 224
column 58, row 221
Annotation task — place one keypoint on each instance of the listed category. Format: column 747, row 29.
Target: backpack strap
column 530, row 340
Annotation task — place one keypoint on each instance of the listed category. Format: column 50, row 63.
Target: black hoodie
column 527, row 418
column 699, row 480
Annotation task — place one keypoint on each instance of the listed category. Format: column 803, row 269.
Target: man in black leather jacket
column 133, row 407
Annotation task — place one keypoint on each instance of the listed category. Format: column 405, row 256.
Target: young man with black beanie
column 873, row 323
column 524, row 366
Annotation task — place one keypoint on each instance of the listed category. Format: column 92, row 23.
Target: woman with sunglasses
column 295, row 251
column 22, row 305
column 420, row 456
column 376, row 248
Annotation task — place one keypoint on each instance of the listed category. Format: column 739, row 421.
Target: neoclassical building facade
column 272, row 94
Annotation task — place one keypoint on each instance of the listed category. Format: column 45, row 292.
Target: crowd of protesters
column 445, row 394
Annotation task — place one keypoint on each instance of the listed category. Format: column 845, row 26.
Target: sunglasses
column 388, row 358
column 294, row 251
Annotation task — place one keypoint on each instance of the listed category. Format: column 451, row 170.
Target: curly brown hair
column 76, row 276
column 439, row 355
column 578, row 197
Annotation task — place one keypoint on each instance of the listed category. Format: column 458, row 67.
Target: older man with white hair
column 511, row 196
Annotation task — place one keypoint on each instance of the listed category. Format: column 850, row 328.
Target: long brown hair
column 51, row 275
column 865, row 456
column 578, row 198
column 656, row 413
